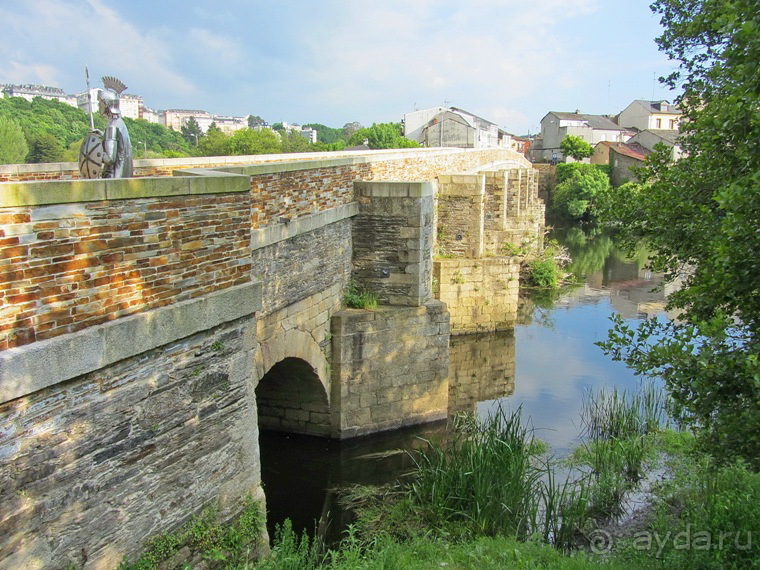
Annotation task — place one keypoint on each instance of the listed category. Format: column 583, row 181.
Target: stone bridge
column 150, row 326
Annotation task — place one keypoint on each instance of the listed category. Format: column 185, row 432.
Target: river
column 545, row 365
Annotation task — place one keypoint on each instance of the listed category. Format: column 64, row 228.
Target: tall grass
column 482, row 479
column 617, row 413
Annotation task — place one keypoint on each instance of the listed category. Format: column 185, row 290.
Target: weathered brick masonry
column 65, row 267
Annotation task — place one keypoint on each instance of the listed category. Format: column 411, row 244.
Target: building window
column 672, row 124
column 658, row 123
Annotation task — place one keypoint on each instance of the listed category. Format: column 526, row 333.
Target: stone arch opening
column 291, row 398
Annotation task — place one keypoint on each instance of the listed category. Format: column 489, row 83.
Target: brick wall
column 65, row 267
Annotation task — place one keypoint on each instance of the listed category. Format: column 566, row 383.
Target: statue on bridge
column 109, row 154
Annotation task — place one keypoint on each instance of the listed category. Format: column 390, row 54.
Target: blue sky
column 337, row 61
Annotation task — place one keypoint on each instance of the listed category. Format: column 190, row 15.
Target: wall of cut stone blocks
column 390, row 368
column 461, row 207
column 393, row 241
column 92, row 467
column 72, row 264
column 481, row 294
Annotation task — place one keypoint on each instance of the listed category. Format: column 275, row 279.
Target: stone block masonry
column 481, row 294
column 393, row 240
column 390, row 368
column 92, row 467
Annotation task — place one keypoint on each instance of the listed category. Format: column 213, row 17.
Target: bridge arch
column 293, row 391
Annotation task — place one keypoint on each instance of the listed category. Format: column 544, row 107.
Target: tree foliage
column 248, row 141
column 580, row 190
column 69, row 125
column 575, row 147
column 45, row 148
column 701, row 216
column 13, row 146
column 382, row 135
column 191, row 131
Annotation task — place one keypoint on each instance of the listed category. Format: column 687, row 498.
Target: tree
column 350, row 128
column 255, row 121
column 701, row 216
column 248, row 141
column 580, row 189
column 575, row 147
column 214, row 143
column 13, row 147
column 382, row 135
column 191, row 131
column 45, row 148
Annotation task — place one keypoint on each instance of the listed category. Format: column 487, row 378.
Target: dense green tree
column 327, row 135
column 701, row 216
column 214, row 143
column 349, row 129
column 191, row 131
column 294, row 142
column 580, row 190
column 45, row 148
column 255, row 121
column 13, row 147
column 157, row 138
column 575, row 147
column 248, row 141
column 382, row 135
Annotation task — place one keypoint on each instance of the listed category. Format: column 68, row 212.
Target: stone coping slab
column 303, row 224
column 38, row 193
column 32, row 367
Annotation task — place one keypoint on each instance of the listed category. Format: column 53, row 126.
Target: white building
column 650, row 115
column 226, row 124
column 173, row 118
column 29, row 91
column 129, row 105
column 594, row 129
column 453, row 127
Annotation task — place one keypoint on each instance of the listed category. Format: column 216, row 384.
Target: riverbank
column 490, row 495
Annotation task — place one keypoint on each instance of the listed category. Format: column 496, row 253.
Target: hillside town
column 622, row 141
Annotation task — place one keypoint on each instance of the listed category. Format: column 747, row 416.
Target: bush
column 580, row 190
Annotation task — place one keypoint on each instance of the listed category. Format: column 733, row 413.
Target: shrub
column 356, row 297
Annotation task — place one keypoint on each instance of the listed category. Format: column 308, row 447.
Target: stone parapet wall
column 389, row 368
column 77, row 254
column 481, row 294
column 92, row 467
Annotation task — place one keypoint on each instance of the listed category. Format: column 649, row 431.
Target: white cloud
column 65, row 35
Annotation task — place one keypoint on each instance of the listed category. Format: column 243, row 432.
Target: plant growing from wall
column 356, row 297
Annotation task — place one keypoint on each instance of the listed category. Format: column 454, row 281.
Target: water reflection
column 544, row 365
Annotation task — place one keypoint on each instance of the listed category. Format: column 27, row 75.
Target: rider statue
column 108, row 155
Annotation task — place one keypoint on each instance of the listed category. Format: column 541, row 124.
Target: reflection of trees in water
column 592, row 250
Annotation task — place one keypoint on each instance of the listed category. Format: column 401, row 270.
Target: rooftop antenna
column 654, row 82
column 447, row 103
column 609, row 82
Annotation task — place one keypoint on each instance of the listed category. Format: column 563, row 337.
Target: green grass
column 229, row 543
column 357, row 298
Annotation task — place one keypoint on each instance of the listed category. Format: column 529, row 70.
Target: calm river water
column 544, row 365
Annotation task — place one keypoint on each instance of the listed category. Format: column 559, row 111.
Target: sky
column 338, row 61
